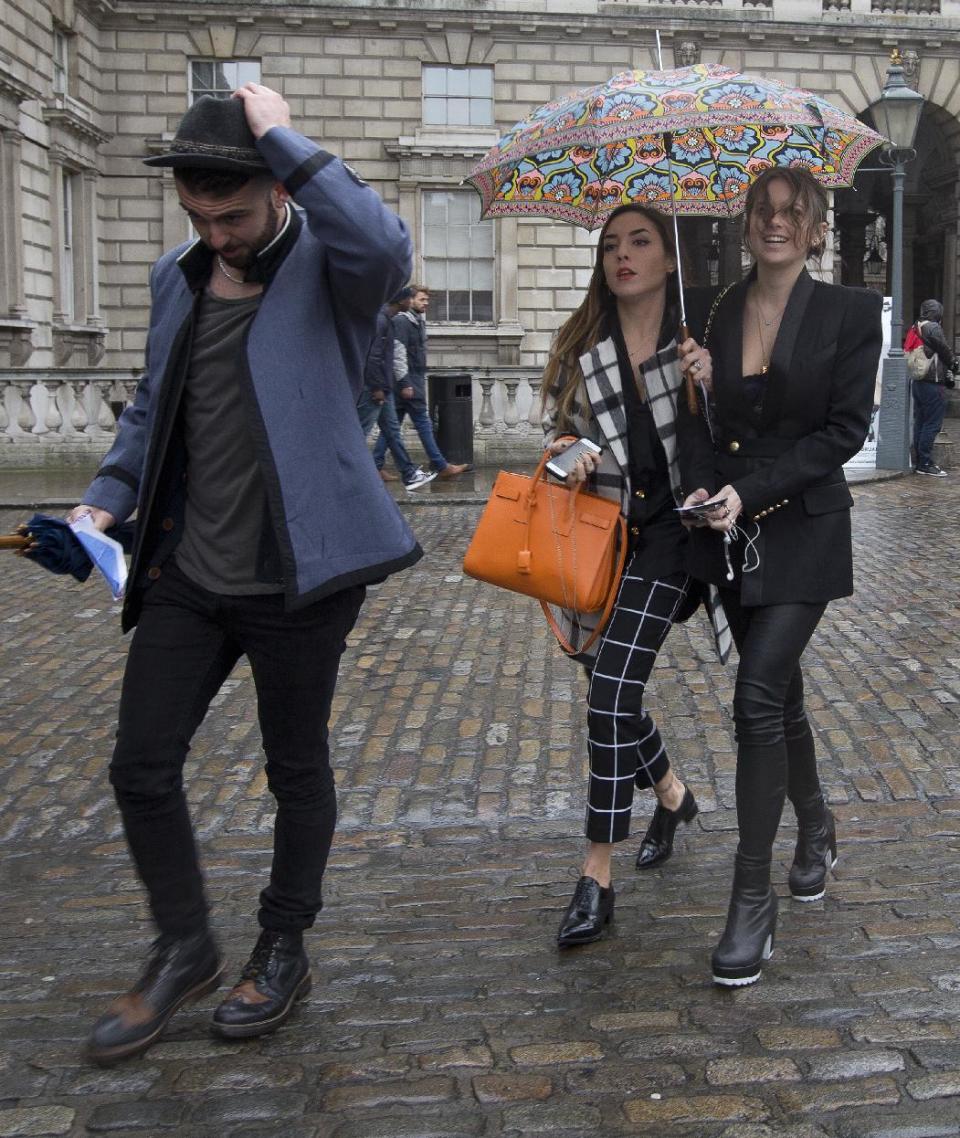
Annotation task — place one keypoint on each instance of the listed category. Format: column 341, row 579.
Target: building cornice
column 60, row 113
column 718, row 27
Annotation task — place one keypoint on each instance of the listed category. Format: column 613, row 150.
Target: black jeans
column 184, row 647
column 775, row 748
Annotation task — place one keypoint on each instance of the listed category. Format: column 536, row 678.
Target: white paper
column 104, row 552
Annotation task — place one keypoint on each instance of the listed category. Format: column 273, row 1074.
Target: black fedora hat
column 213, row 135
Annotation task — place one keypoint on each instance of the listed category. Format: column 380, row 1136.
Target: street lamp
column 897, row 115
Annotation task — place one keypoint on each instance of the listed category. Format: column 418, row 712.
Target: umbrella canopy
column 52, row 543
column 690, row 140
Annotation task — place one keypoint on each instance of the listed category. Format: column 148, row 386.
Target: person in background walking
column 244, row 460
column 376, row 405
column 794, row 364
column 410, row 349
column 929, row 393
column 613, row 375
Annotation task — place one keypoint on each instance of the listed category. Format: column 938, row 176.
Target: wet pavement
column 441, row 1006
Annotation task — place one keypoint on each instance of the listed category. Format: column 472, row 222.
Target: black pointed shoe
column 179, row 970
column 815, row 855
column 748, row 938
column 275, row 977
column 587, row 914
column 657, row 844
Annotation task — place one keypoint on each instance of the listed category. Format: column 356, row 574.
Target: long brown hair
column 806, row 194
column 589, row 323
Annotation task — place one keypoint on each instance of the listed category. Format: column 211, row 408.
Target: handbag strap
column 607, row 608
column 713, row 311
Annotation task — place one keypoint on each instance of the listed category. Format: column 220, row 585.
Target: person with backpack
column 930, row 360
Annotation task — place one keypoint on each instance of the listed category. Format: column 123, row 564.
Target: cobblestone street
column 441, row 1006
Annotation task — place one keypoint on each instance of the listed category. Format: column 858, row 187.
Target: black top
column 656, row 537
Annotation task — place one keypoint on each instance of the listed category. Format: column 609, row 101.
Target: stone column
column 853, row 247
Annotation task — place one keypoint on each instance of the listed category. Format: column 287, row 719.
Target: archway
column 931, row 220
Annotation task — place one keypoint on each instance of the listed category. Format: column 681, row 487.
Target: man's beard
column 260, row 242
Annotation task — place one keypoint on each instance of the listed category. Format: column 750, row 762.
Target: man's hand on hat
column 264, row 108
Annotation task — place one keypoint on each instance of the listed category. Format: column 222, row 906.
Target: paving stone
column 797, row 1038
column 854, row 1065
column 412, row 1091
column 889, row 1127
column 552, row 1118
column 147, row 1115
column 227, row 1110
column 726, row 1072
column 458, row 1124
column 550, row 1054
column 625, row 1079
column 512, row 1088
column 761, row 1130
column 694, row 1109
column 36, row 1120
column 834, row 1096
column 945, row 1084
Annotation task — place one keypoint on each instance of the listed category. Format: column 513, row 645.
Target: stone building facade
column 412, row 97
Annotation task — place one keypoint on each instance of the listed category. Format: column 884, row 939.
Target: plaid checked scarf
column 663, row 382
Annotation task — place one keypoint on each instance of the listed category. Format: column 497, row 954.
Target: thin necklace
column 765, row 366
column 776, row 316
column 223, row 269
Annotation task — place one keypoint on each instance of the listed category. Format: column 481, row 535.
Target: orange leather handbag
column 552, row 542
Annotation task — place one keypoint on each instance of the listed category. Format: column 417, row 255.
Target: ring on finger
column 698, row 364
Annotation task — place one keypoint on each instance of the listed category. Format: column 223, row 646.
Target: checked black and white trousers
column 624, row 745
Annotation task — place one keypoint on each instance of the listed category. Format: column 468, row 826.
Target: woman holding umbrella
column 614, row 376
column 794, row 365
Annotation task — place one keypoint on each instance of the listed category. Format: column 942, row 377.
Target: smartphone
column 698, row 509
column 561, row 464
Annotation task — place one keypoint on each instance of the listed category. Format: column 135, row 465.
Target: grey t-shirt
column 226, row 500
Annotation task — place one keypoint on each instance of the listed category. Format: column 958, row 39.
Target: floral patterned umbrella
column 579, row 158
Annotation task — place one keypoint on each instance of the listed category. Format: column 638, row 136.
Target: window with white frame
column 458, row 252
column 61, row 62
column 221, row 77
column 457, row 96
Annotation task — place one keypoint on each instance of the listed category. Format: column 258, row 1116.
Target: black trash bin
column 451, row 412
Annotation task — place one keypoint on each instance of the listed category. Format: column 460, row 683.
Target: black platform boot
column 815, row 853
column 747, row 940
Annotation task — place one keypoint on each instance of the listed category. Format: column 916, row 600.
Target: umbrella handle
column 692, row 404
column 15, row 540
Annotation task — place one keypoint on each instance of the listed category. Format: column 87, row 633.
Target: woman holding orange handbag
column 614, row 376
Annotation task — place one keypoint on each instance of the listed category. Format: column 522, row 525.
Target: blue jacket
column 331, row 521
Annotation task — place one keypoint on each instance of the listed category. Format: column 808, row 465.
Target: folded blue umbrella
column 57, row 548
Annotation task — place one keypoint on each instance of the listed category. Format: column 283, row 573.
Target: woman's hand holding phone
column 719, row 511
column 576, row 467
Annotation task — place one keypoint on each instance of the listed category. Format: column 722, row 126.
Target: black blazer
column 785, row 456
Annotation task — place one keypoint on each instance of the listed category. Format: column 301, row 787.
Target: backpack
column 919, row 364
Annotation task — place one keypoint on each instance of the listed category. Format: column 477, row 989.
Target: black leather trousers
column 775, row 749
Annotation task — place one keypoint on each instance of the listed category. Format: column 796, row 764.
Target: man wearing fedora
column 260, row 520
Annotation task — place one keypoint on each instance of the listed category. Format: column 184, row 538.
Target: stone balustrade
column 53, row 417
column 63, row 414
